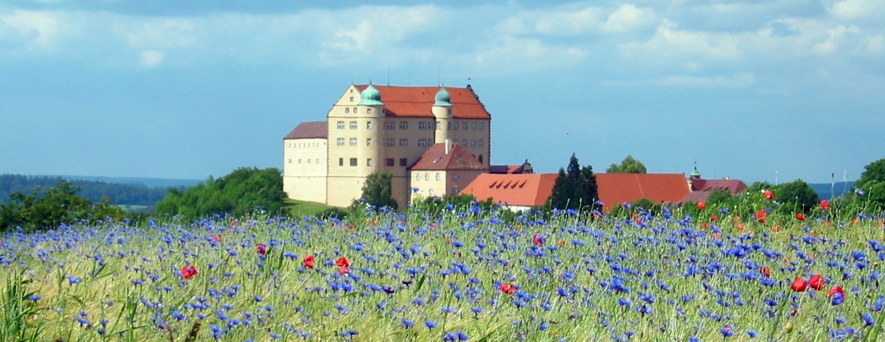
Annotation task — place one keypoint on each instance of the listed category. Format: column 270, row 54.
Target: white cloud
column 33, row 29
column 739, row 80
column 859, row 9
column 627, row 18
column 835, row 38
column 151, row 58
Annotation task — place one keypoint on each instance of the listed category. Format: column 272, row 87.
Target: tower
column 442, row 111
column 369, row 137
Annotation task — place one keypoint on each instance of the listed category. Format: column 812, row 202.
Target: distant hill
column 143, row 192
column 827, row 191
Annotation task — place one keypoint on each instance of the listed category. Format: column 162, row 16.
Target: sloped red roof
column 458, row 158
column 506, row 169
column 417, row 101
column 735, row 186
column 514, row 189
column 309, row 129
column 617, row 188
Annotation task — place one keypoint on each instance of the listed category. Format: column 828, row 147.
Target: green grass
column 304, row 208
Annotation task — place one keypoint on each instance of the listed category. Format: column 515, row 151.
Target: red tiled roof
column 416, row 101
column 735, row 186
column 695, row 197
column 515, row 189
column 309, row 129
column 617, row 188
column 458, row 158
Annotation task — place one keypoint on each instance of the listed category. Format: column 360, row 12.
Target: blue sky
column 170, row 89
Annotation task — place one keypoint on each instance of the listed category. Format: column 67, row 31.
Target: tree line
column 117, row 194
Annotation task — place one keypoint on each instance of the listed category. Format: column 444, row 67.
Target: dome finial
column 443, row 99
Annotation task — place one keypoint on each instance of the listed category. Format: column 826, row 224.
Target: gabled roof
column 529, row 190
column 617, row 188
column 308, row 130
column 506, row 169
column 458, row 158
column 735, row 186
column 417, row 101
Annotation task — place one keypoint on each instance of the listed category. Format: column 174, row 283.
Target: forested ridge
column 116, row 193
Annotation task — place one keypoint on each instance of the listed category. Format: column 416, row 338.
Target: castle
column 432, row 140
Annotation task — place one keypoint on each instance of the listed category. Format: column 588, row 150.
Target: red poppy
column 507, row 288
column 188, row 272
column 835, row 290
column 825, row 205
column 343, row 269
column 701, row 205
column 799, row 284
column 538, row 240
column 342, row 262
column 765, row 271
column 262, row 248
column 714, row 218
column 760, row 216
column 308, row 261
column 216, row 238
column 816, row 282
column 767, row 194
column 800, row 217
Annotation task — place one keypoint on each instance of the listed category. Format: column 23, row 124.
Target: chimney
column 448, row 143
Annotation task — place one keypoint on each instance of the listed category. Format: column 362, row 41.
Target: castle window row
column 316, row 160
column 422, row 125
column 355, row 161
column 302, row 145
column 391, row 142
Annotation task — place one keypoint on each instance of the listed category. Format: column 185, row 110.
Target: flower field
column 457, row 275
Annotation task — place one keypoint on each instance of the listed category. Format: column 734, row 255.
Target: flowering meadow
column 461, row 274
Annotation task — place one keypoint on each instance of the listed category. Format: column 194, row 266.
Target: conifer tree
column 575, row 187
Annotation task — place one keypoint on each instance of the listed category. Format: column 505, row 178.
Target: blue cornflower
column 408, row 323
column 727, row 330
column 430, row 324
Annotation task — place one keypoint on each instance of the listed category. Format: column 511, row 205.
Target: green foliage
column 628, row 165
column 47, row 209
column 241, row 192
column 795, row 197
column 377, row 190
column 872, row 183
column 574, row 189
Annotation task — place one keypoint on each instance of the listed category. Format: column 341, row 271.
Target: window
column 473, row 143
column 438, row 176
column 347, row 110
column 299, row 160
column 403, row 125
column 340, row 124
column 368, row 125
column 353, row 125
column 352, row 161
column 420, row 142
column 438, row 125
column 430, row 191
column 290, row 161
column 417, row 176
column 455, row 126
column 422, row 125
column 369, row 162
column 318, row 160
column 464, row 126
column 464, row 142
column 369, row 141
column 456, row 177
column 308, row 160
column 473, row 126
column 389, row 125
column 368, row 110
column 481, row 143
column 351, row 99
column 426, row 176
column 354, row 109
column 340, row 161
column 480, row 159
column 388, row 162
column 340, row 141
column 403, row 161
column 352, row 141
column 403, row 142
column 449, row 125
column 482, row 126
column 391, row 142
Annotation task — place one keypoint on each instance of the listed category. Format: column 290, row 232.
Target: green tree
column 575, row 188
column 377, row 190
column 628, row 165
column 796, row 197
column 47, row 209
column 239, row 193
column 872, row 183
